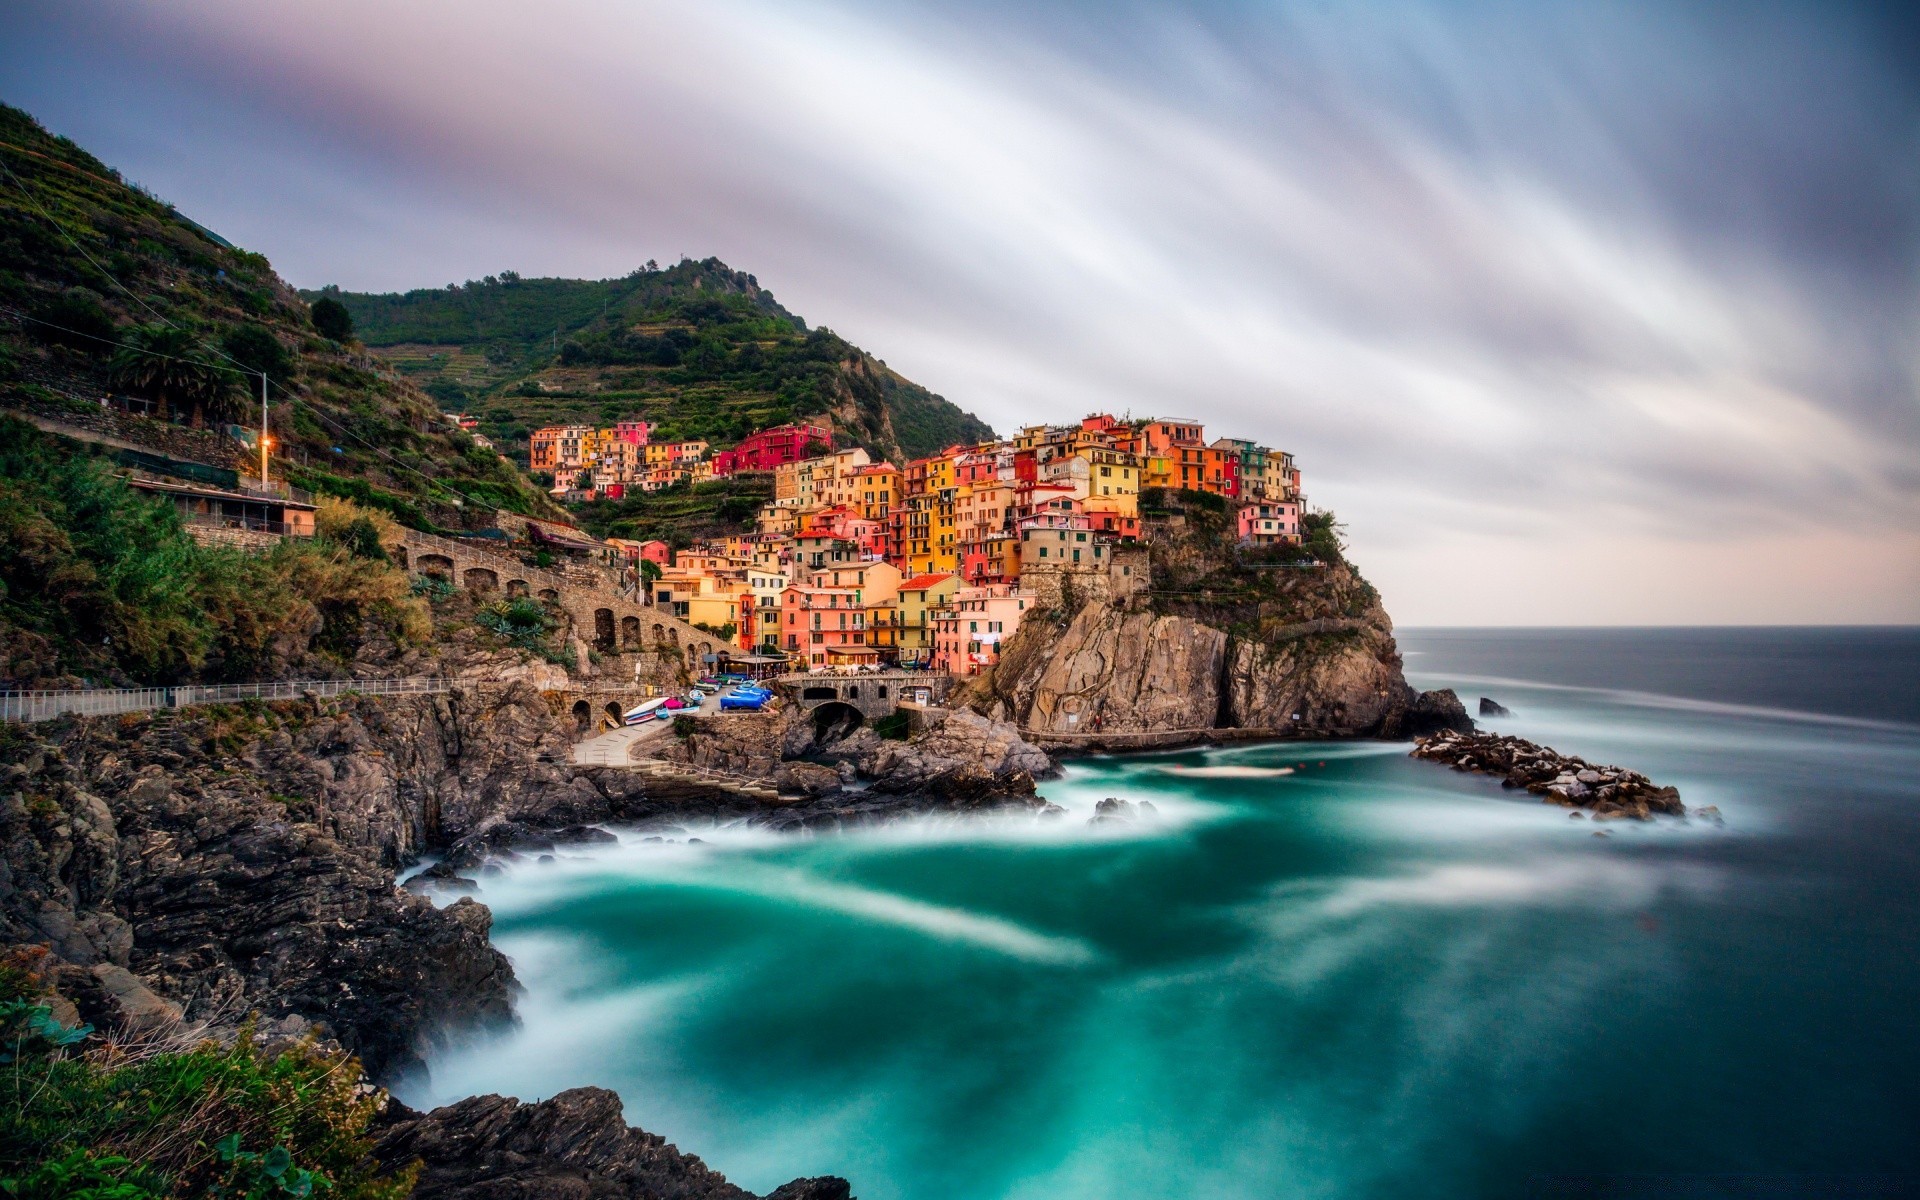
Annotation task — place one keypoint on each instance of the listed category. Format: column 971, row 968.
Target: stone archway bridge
column 873, row 694
column 613, row 624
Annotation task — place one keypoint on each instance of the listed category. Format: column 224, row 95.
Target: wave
column 1226, row 772
column 1661, row 700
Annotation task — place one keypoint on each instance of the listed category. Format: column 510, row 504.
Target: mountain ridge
column 701, row 350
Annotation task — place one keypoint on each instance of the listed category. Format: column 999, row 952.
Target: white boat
column 645, row 711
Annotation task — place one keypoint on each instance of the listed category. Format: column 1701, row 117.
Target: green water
column 1366, row 977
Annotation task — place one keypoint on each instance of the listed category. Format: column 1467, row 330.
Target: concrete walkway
column 615, row 749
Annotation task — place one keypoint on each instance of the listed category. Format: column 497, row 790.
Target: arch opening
column 629, row 633
column 482, row 579
column 603, row 628
column 582, row 716
column 819, row 693
column 835, row 720
column 435, row 564
column 516, row 588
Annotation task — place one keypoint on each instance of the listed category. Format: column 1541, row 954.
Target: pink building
column 968, row 633
column 822, row 626
column 1268, row 523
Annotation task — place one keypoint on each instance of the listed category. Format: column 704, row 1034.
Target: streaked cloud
column 1573, row 314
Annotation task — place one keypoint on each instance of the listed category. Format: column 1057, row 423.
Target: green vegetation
column 331, row 319
column 100, row 581
column 681, row 514
column 699, row 349
column 138, row 277
column 93, row 1118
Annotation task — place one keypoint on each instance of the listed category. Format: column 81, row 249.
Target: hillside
column 701, row 350
column 93, row 270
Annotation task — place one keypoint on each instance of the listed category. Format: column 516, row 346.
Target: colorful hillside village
column 933, row 564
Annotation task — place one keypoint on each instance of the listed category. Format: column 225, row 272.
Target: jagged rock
column 965, row 758
column 1493, row 708
column 134, row 1004
column 1438, row 710
column 807, row 779
column 574, row 1146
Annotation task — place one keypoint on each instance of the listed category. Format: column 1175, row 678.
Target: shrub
column 76, row 318
column 90, row 1118
column 110, row 579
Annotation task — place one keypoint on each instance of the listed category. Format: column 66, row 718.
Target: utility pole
column 263, row 430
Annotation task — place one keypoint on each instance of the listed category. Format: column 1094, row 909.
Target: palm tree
column 171, row 366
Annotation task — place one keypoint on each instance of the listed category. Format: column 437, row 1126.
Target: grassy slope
column 698, row 348
column 425, row 472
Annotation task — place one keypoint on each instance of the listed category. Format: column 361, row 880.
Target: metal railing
column 248, row 524
column 101, row 702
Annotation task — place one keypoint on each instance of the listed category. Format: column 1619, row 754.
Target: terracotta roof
column 924, row 581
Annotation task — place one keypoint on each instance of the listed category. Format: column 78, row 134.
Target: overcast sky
column 1575, row 314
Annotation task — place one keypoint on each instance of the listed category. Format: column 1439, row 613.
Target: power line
column 265, row 379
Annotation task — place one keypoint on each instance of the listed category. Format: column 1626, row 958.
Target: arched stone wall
column 481, row 579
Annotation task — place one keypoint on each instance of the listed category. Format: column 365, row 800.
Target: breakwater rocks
column 1608, row 793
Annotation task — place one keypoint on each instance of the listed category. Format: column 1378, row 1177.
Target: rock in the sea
column 575, row 1146
column 1433, row 711
column 1493, row 708
column 1610, row 793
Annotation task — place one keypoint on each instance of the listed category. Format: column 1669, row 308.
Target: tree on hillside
column 170, row 366
column 257, row 350
column 332, row 319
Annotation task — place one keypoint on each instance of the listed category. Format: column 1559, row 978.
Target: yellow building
column 913, row 627
column 876, row 491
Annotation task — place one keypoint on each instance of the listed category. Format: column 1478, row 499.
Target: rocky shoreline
column 234, row 862
column 1606, row 793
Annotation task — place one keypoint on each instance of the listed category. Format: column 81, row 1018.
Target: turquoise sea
column 1324, row 970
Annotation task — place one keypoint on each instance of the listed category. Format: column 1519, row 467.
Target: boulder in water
column 1493, row 708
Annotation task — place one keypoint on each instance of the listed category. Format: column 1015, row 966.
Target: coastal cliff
column 1215, row 638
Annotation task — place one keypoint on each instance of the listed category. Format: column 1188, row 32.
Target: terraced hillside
column 94, row 271
column 701, row 350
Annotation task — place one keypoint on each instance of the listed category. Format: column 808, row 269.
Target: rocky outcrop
column 573, row 1147
column 1493, row 708
column 963, row 759
column 1117, row 669
column 1607, row 792
column 957, row 759
column 1317, row 660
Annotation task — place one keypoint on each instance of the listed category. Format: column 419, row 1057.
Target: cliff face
column 237, row 860
column 1214, row 642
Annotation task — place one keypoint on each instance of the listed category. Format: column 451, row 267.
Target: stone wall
column 110, row 426
column 1121, row 576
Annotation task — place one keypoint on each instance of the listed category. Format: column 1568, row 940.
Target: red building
column 770, row 448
